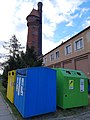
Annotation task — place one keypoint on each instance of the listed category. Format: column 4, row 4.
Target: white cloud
column 58, row 11
column 83, row 11
column 13, row 18
column 87, row 23
column 7, row 9
column 69, row 6
column 48, row 29
column 23, row 10
column 49, row 44
column 70, row 23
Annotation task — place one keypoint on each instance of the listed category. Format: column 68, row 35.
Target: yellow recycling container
column 11, row 85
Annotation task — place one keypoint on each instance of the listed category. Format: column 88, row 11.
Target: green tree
column 13, row 46
column 18, row 59
column 31, row 58
column 14, row 52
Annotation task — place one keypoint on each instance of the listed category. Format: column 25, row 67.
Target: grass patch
column 14, row 110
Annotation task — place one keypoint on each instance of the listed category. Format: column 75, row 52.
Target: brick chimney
column 34, row 24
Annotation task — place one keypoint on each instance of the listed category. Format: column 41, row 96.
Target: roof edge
column 67, row 40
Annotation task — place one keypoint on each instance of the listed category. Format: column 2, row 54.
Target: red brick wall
column 32, row 36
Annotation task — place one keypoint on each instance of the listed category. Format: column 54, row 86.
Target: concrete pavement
column 5, row 111
column 82, row 116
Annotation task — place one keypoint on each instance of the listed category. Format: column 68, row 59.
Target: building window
column 45, row 60
column 68, row 49
column 52, row 57
column 57, row 54
column 79, row 44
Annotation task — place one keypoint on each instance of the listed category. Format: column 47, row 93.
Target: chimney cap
column 40, row 3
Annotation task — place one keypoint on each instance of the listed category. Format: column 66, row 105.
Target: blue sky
column 62, row 19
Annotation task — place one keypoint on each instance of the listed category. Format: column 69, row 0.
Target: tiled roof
column 34, row 12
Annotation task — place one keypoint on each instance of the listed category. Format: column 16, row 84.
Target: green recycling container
column 72, row 88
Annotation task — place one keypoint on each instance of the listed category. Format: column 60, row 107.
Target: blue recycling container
column 35, row 91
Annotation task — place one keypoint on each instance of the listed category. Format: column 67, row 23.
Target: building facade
column 72, row 54
column 34, row 24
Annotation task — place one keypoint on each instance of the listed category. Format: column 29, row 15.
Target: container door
column 69, row 92
column 20, row 93
column 11, row 84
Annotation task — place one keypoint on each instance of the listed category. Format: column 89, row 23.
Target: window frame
column 45, row 60
column 75, row 47
column 52, row 57
column 57, row 55
column 66, row 52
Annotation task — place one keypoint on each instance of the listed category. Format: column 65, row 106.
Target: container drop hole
column 12, row 73
column 68, row 72
column 9, row 73
column 78, row 73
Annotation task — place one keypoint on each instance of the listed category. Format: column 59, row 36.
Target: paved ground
column 82, row 113
column 5, row 111
column 83, row 116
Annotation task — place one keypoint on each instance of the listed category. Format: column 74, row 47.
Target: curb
column 8, row 107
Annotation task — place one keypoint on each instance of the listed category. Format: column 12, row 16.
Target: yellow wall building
column 72, row 54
